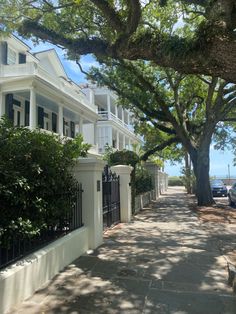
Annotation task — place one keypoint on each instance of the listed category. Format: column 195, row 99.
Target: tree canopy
column 190, row 36
column 173, row 108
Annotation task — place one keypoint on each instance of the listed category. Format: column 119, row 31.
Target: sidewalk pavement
column 164, row 262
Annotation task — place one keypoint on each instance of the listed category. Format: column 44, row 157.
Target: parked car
column 232, row 195
column 218, row 188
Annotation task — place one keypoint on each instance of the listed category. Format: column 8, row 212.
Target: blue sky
column 219, row 160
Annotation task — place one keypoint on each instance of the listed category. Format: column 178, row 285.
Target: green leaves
column 34, row 177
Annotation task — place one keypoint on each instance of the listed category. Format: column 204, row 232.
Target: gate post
column 153, row 171
column 125, row 191
column 88, row 171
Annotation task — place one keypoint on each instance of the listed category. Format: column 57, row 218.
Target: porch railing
column 18, row 247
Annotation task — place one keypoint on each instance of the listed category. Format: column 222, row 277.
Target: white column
column 60, row 119
column 95, row 133
column 88, row 171
column 153, row 171
column 2, row 104
column 128, row 119
column 125, row 191
column 122, row 115
column 81, row 121
column 117, row 139
column 109, row 106
column 108, row 135
column 32, row 113
column 130, row 148
column 123, row 141
column 116, row 111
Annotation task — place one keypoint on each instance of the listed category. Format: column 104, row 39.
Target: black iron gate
column 111, row 198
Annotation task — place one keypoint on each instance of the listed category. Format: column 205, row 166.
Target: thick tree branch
column 159, row 147
column 134, row 16
column 111, row 15
column 211, row 53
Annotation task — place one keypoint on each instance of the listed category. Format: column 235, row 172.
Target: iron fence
column 111, row 198
column 18, row 247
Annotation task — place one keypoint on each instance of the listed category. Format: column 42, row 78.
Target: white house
column 115, row 124
column 35, row 91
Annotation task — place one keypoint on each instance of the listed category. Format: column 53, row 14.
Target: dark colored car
column 232, row 195
column 218, row 188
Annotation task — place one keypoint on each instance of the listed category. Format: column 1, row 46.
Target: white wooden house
column 115, row 124
column 36, row 92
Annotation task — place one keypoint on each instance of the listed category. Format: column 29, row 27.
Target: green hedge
column 34, row 179
column 143, row 181
column 175, row 181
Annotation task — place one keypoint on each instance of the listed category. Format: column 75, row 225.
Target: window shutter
column 72, row 129
column 64, row 128
column 3, row 52
column 54, row 122
column 27, row 105
column 9, row 107
column 40, row 117
column 22, row 58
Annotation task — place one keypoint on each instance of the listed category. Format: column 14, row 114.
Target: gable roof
column 54, row 59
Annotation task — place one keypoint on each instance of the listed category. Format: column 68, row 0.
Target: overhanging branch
column 159, row 147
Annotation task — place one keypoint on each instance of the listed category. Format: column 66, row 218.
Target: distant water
column 233, row 176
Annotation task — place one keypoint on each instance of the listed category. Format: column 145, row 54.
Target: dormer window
column 11, row 56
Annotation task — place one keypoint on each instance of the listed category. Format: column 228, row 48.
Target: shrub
column 34, row 179
column 143, row 181
column 175, row 181
column 123, row 157
column 126, row 157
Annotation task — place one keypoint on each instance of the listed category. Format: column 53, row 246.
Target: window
column 47, row 121
column 18, row 115
column 11, row 56
column 66, row 127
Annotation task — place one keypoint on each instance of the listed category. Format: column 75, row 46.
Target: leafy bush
column 143, row 181
column 123, row 157
column 34, row 179
column 175, row 181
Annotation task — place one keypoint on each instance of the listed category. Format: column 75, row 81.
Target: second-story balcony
column 105, row 116
column 33, row 69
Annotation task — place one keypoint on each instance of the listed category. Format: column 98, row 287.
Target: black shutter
column 9, row 107
column 72, row 129
column 3, row 52
column 64, row 127
column 22, row 58
column 54, row 122
column 40, row 117
column 27, row 105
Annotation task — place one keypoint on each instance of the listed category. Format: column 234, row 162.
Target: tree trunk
column 201, row 170
column 188, row 173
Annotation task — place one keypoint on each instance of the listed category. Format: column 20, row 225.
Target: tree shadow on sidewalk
column 165, row 261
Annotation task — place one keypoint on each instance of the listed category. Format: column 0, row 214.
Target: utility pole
column 229, row 173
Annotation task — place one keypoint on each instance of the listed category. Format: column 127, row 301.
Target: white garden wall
column 19, row 281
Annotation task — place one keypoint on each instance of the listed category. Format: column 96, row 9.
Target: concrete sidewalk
column 164, row 261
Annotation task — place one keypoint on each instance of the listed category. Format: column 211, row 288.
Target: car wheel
column 231, row 203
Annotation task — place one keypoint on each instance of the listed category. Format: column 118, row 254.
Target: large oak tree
column 202, row 41
column 176, row 109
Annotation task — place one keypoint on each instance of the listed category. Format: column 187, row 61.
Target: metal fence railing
column 111, row 198
column 20, row 247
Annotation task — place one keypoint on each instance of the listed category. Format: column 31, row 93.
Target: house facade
column 36, row 92
column 115, row 124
